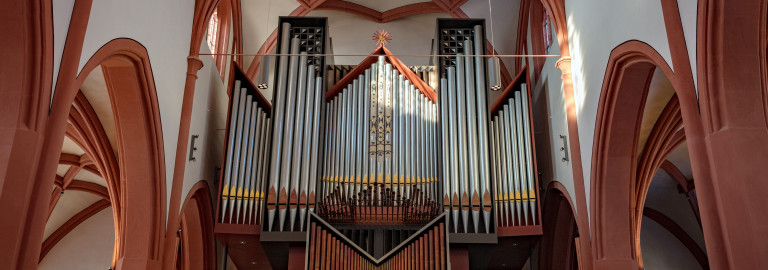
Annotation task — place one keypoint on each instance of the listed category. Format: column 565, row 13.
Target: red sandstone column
column 25, row 84
column 194, row 64
column 733, row 94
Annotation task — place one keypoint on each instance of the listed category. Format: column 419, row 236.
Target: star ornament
column 382, row 37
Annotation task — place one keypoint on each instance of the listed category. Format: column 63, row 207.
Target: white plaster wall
column 502, row 30
column 664, row 197
column 259, row 21
column 562, row 170
column 553, row 124
column 351, row 34
column 689, row 17
column 62, row 13
column 70, row 203
column 164, row 29
column 661, row 250
column 88, row 246
column 595, row 28
column 208, row 121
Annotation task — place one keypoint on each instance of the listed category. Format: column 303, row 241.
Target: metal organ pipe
column 257, row 176
column 512, row 164
column 296, row 159
column 345, row 140
column 241, row 192
column 512, row 127
column 312, row 184
column 305, row 143
column 482, row 119
column 463, row 141
column 455, row 153
column 400, row 144
column 365, row 134
column 508, row 179
column 245, row 169
column 359, row 157
column 238, row 94
column 248, row 192
column 472, row 135
column 522, row 184
column 383, row 144
column 372, row 124
column 445, row 143
column 496, row 166
column 330, row 175
column 528, row 153
column 355, row 145
column 285, row 162
column 337, row 142
column 279, row 108
column 387, row 104
column 239, row 159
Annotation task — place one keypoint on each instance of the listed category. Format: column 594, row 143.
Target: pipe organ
column 327, row 248
column 467, row 188
column 380, row 135
column 298, row 94
column 511, row 157
column 397, row 158
column 245, row 159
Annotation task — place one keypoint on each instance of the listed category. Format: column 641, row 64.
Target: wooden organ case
column 371, row 167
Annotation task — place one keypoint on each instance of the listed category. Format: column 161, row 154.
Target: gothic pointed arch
column 560, row 230
column 140, row 158
column 616, row 170
column 197, row 247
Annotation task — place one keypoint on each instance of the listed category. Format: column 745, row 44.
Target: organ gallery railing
column 378, row 205
column 327, row 248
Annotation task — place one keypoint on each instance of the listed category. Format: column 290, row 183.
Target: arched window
column 213, row 31
column 217, row 35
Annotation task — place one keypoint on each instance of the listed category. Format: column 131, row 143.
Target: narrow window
column 213, row 31
column 547, row 27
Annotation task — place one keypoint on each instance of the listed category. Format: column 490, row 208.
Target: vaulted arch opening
column 196, row 248
column 560, row 230
column 127, row 152
column 639, row 124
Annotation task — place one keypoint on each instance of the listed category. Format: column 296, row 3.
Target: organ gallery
column 379, row 165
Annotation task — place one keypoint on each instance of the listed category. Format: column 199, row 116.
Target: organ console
column 380, row 163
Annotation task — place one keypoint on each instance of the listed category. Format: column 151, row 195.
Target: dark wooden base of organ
column 328, row 248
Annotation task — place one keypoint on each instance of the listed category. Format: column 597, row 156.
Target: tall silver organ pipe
column 296, row 131
column 482, row 118
column 455, row 176
column 464, row 124
column 381, row 128
column 242, row 189
column 512, row 167
column 277, row 131
column 285, row 161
